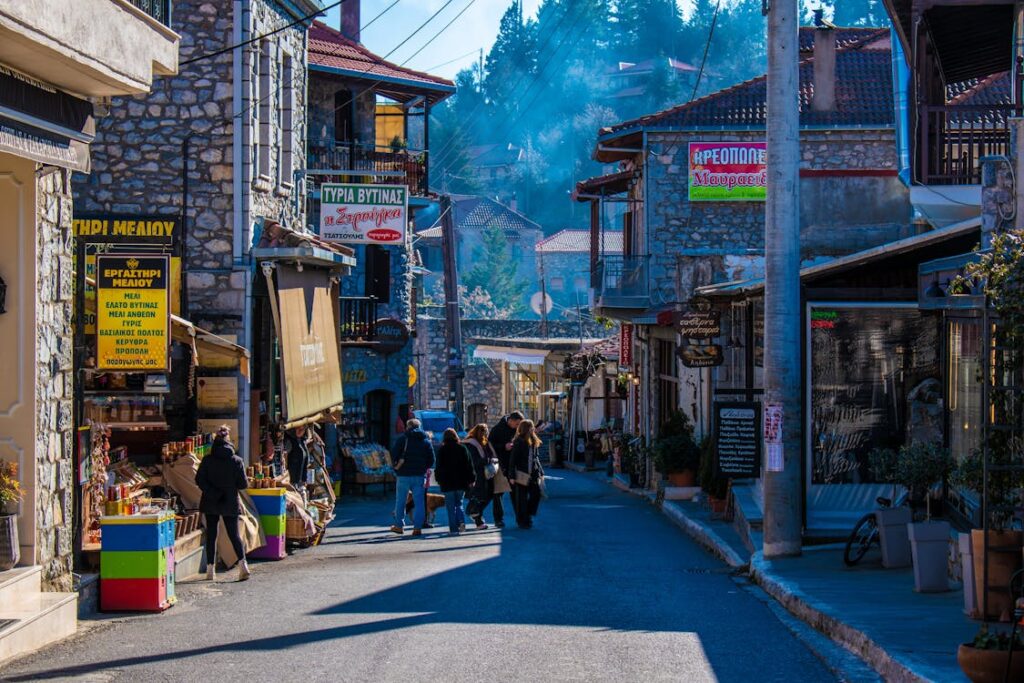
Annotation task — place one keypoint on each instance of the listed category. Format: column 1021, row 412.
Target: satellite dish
column 540, row 299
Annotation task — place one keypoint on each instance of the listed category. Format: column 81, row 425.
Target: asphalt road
column 603, row 588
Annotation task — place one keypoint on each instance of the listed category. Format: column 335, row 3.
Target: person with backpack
column 454, row 474
column 412, row 456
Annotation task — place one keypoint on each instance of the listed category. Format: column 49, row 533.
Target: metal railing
column 158, row 9
column 401, row 166
column 623, row 281
column 954, row 138
column 358, row 319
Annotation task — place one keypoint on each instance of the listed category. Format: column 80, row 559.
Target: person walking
column 413, row 456
column 500, row 438
column 488, row 476
column 526, row 481
column 220, row 477
column 454, row 474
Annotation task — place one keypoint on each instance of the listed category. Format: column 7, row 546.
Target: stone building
column 563, row 262
column 222, row 144
column 53, row 67
column 368, row 123
column 678, row 234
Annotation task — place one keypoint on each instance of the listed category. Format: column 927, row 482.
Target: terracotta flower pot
column 989, row 666
column 1004, row 558
column 10, row 550
column 684, row 478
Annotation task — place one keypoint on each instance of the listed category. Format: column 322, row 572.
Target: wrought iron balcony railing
column 623, row 282
column 391, row 166
column 158, row 9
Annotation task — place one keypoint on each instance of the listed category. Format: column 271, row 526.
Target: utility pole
column 453, row 323
column 782, row 374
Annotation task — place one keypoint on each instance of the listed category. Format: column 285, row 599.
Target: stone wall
column 54, row 448
column 693, row 244
column 563, row 271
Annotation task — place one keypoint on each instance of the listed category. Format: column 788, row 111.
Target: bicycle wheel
column 860, row 540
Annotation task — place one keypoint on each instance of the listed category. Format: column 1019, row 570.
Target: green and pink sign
column 728, row 172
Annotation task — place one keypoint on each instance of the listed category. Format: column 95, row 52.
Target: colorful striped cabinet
column 270, row 503
column 137, row 563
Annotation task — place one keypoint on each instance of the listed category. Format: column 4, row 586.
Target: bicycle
column 865, row 532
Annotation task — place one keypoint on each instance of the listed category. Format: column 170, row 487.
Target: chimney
column 350, row 19
column 824, row 98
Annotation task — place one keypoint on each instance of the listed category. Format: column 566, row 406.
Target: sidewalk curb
column 854, row 640
column 704, row 536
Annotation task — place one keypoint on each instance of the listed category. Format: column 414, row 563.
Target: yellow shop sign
column 132, row 313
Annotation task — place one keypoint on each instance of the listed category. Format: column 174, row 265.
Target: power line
column 707, row 46
column 438, row 66
column 443, row 29
column 298, row 21
column 383, row 12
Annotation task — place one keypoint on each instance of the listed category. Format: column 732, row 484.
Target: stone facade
column 54, row 393
column 566, row 281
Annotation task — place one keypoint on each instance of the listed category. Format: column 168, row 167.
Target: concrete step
column 19, row 584
column 39, row 620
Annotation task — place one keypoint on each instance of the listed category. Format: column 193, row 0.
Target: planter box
column 929, row 543
column 1004, row 559
column 989, row 666
column 892, row 536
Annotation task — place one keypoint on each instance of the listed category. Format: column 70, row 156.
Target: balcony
column 358, row 320
column 158, row 9
column 954, row 138
column 622, row 283
column 387, row 166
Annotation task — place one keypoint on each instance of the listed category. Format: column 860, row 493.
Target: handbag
column 522, row 478
column 501, row 484
column 491, row 469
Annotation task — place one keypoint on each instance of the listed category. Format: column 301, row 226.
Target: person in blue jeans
column 412, row 456
column 454, row 474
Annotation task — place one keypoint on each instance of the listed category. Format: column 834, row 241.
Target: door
column 378, row 417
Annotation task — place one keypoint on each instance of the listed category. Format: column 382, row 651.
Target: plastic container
column 273, row 550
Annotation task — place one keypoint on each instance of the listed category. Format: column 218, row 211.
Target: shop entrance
column 378, row 416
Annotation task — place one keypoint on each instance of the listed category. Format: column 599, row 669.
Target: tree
column 494, row 271
column 511, row 61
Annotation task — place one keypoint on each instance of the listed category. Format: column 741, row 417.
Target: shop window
column 286, row 122
column 579, row 283
column 525, row 385
column 343, row 116
column 378, row 273
column 557, row 284
column 964, row 389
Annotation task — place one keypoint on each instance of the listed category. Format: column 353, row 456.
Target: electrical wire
column 382, row 13
column 707, row 47
column 232, row 48
column 438, row 66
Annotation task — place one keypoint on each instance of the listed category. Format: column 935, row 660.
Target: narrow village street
column 602, row 589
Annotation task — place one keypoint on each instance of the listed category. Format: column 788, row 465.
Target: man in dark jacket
column 220, row 477
column 501, row 437
column 412, row 457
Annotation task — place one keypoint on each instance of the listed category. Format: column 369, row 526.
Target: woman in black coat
column 454, row 474
column 220, row 477
column 486, row 489
column 526, row 474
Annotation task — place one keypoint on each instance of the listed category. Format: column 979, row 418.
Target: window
column 265, row 101
column 579, row 283
column 378, row 273
column 286, row 123
column 344, row 108
column 557, row 284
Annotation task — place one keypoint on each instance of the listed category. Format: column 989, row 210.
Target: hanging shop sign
column 364, row 214
column 414, row 376
column 391, row 336
column 308, row 329
column 728, row 172
column 699, row 324
column 44, row 124
column 705, row 356
column 217, row 394
column 737, row 439
column 132, row 313
column 626, row 345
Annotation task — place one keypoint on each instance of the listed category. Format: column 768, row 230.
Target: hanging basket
column 9, row 548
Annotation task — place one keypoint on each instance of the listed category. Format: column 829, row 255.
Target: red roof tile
column 578, row 242
column 863, row 95
column 330, row 49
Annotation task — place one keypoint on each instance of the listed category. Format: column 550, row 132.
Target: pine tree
column 511, row 61
column 494, row 271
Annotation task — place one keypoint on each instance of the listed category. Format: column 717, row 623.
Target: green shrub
column 675, row 450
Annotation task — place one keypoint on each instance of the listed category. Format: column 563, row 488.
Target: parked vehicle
column 434, row 422
column 865, row 532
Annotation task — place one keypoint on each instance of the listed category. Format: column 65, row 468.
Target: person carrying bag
column 527, row 473
column 491, row 482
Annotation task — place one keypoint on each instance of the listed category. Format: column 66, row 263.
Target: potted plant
column 984, row 659
column 676, row 454
column 714, row 485
column 1004, row 542
column 10, row 493
column 919, row 467
column 893, row 536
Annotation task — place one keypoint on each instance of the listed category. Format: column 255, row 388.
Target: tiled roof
column 472, row 213
column 647, row 66
column 494, row 155
column 608, row 184
column 578, row 242
column 863, row 95
column 994, row 89
column 329, row 48
column 845, row 37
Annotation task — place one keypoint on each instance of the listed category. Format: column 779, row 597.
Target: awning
column 511, row 355
column 603, row 185
column 201, row 341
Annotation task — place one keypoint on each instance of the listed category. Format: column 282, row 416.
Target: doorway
column 378, row 416
column 477, row 414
